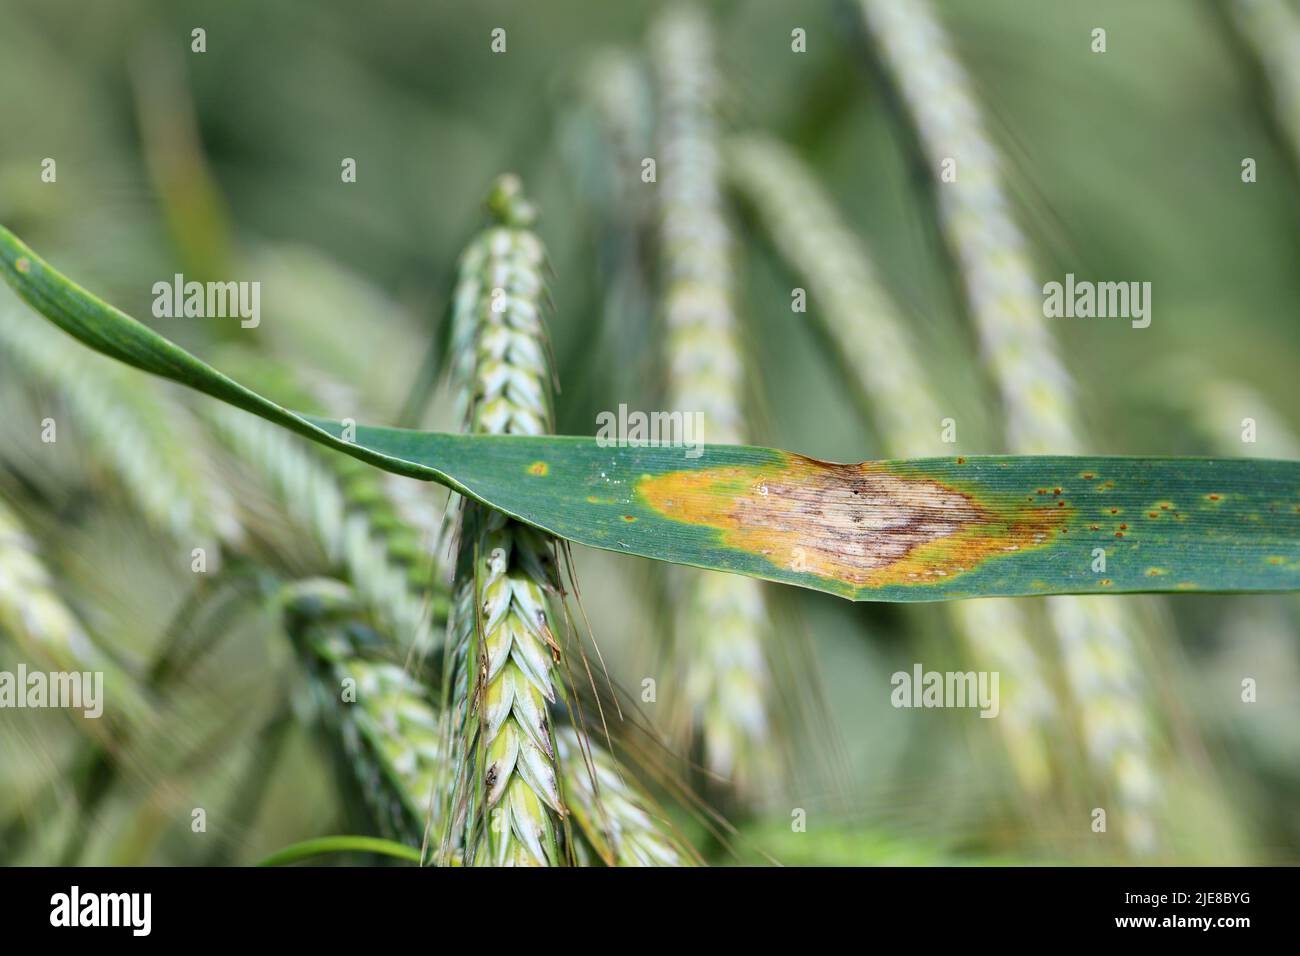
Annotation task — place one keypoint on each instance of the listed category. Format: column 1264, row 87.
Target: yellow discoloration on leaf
column 862, row 525
column 539, row 468
column 1155, row 572
column 23, row 265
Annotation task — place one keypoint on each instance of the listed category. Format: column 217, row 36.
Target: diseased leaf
column 919, row 530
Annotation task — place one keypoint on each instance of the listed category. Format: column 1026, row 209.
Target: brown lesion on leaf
column 864, row 525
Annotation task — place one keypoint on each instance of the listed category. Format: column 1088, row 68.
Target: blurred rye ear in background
column 49, row 634
column 136, row 429
column 1112, row 696
column 718, row 651
column 868, row 333
column 381, row 717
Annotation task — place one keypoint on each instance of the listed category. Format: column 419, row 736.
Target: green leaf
column 921, row 530
column 340, row 844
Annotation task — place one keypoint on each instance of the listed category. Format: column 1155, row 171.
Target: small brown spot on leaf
column 538, row 468
column 23, row 265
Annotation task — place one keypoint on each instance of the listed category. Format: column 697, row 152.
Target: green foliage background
column 1124, row 166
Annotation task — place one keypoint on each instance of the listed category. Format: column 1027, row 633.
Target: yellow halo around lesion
column 860, row 524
